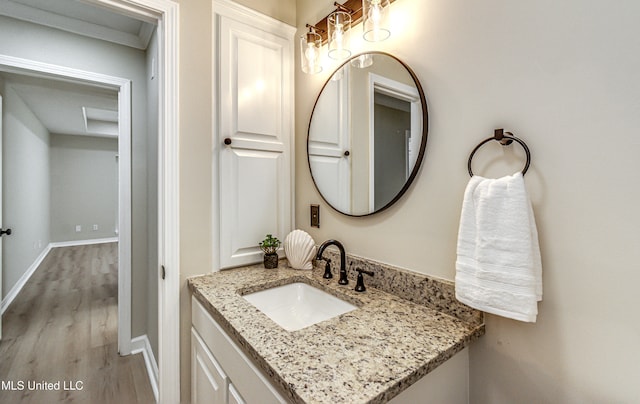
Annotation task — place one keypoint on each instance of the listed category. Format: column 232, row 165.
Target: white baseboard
column 83, row 242
column 8, row 299
column 142, row 345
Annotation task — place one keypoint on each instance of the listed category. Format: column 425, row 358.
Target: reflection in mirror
column 367, row 134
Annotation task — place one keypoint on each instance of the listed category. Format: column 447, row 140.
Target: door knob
column 3, row 232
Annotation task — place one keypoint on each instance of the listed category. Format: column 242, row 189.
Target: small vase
column 271, row 261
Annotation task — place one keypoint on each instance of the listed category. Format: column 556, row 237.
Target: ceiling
column 81, row 18
column 61, row 106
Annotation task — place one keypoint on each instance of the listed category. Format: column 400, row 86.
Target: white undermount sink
column 297, row 305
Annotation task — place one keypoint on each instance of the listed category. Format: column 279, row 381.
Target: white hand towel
column 498, row 268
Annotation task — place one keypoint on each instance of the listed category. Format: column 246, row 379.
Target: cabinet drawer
column 251, row 383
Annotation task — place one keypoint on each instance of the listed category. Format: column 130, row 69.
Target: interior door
column 329, row 143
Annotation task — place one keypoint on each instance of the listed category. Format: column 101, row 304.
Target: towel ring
column 505, row 140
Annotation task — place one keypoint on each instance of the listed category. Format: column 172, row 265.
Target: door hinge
column 164, row 272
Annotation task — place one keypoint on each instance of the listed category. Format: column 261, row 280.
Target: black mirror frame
column 423, row 143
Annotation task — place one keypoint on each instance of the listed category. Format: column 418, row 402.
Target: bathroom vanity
column 394, row 346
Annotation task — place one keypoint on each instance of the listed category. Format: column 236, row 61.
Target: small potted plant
column 270, row 247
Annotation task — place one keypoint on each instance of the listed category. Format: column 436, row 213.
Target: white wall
column 25, row 171
column 48, row 45
column 565, row 77
column 152, row 191
column 84, row 187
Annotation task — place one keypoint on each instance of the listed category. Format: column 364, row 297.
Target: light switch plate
column 315, row 216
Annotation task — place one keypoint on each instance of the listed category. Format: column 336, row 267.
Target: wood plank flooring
column 62, row 327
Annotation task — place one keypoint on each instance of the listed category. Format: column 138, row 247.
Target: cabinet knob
column 3, row 232
column 227, row 141
column 347, row 153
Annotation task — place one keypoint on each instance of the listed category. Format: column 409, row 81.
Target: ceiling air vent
column 101, row 122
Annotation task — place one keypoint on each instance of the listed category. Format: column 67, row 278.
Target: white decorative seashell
column 300, row 249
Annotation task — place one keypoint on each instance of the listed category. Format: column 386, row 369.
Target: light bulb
column 311, row 54
column 339, row 24
column 376, row 20
column 375, row 14
column 338, row 34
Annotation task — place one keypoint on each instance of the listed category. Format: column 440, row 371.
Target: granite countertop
column 368, row 355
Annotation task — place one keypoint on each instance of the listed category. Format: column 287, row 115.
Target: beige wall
column 283, row 10
column 195, row 162
column 565, row 77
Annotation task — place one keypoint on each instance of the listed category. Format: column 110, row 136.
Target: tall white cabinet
column 253, row 139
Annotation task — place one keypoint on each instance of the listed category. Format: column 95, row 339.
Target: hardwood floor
column 62, row 329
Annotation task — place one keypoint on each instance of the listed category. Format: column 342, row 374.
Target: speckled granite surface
column 433, row 292
column 368, row 355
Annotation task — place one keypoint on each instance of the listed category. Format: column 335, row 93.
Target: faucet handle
column 327, row 269
column 360, row 281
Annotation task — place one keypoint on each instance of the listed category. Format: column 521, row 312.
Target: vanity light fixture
column 339, row 26
column 310, row 57
column 375, row 15
column 334, row 31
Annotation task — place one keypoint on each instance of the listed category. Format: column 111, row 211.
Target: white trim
column 40, row 69
column 393, row 89
column 72, row 243
column 124, row 219
column 166, row 14
column 249, row 16
column 169, row 207
column 142, row 345
column 15, row 290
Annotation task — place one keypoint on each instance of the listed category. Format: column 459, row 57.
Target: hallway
column 62, row 328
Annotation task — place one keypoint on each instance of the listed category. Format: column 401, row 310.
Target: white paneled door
column 329, row 140
column 254, row 132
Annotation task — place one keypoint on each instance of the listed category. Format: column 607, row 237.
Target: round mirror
column 367, row 134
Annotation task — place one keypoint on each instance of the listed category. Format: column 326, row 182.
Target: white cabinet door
column 254, row 126
column 208, row 380
column 234, row 396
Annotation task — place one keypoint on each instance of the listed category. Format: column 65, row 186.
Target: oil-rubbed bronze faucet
column 343, row 259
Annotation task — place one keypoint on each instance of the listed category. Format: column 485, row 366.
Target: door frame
column 397, row 90
column 123, row 86
column 164, row 13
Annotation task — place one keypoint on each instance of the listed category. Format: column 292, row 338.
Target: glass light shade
column 362, row 61
column 310, row 59
column 339, row 29
column 375, row 14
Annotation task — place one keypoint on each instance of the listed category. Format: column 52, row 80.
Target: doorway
column 164, row 13
column 123, row 88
